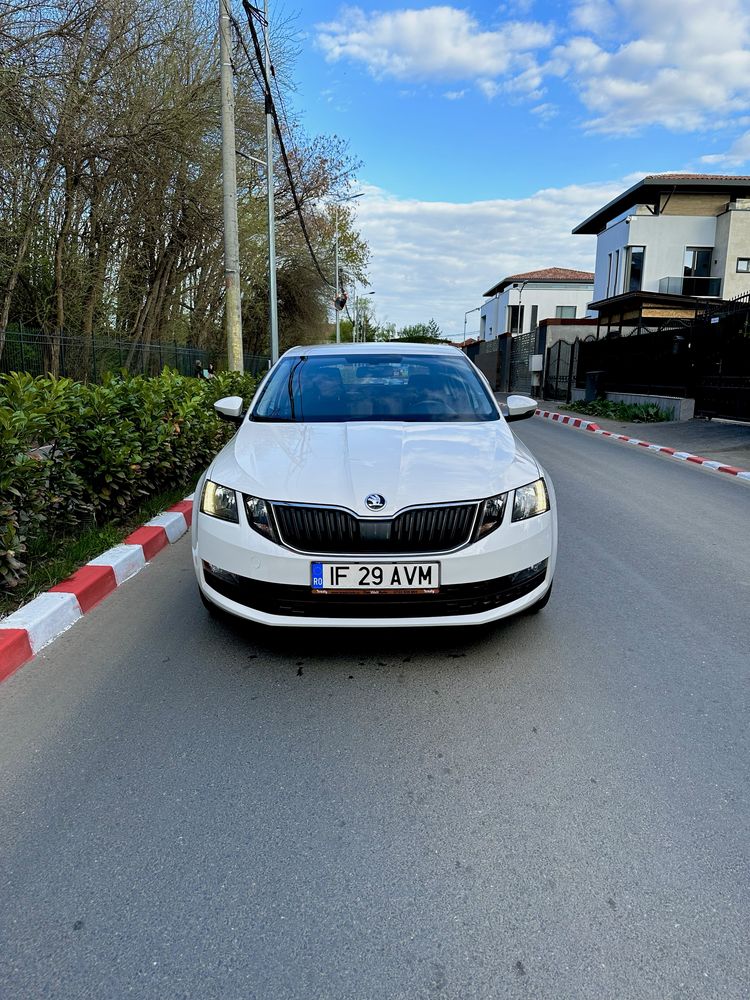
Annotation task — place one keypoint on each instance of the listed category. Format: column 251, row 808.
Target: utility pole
column 336, row 254
column 274, row 317
column 232, row 302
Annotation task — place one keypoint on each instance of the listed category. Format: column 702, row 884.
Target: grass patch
column 53, row 558
column 635, row 413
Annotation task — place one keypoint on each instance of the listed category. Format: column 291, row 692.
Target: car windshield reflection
column 396, row 387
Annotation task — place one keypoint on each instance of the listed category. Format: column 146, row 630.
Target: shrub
column 72, row 453
column 638, row 413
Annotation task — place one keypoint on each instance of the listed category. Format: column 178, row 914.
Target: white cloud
column 435, row 259
column 454, row 95
column 594, row 16
column 683, row 65
column 546, row 111
column 736, row 156
column 435, row 43
column 680, row 64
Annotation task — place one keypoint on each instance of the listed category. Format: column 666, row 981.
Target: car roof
column 388, row 347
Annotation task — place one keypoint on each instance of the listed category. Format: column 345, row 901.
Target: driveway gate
column 559, row 372
column 521, row 349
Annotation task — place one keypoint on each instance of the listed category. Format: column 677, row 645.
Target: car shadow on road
column 356, row 644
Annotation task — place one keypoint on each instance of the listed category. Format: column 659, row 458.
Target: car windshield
column 317, row 388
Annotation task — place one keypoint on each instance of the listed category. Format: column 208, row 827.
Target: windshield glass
column 343, row 387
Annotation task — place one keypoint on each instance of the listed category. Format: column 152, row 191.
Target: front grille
column 324, row 530
column 455, row 599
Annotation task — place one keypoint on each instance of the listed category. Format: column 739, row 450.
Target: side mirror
column 230, row 408
column 519, row 408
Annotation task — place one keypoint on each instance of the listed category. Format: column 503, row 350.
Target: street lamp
column 520, row 288
column 355, row 328
column 336, row 252
column 475, row 309
column 273, row 308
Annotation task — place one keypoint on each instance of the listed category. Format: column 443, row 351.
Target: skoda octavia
column 374, row 484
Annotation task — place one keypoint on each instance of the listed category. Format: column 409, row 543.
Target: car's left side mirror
column 230, row 408
column 519, row 408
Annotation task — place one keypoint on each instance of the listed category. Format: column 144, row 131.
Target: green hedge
column 73, row 454
column 637, row 413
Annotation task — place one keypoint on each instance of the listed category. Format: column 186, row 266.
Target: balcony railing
column 701, row 287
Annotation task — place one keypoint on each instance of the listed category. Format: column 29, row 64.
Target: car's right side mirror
column 230, row 408
column 519, row 408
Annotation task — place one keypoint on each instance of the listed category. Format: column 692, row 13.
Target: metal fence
column 88, row 359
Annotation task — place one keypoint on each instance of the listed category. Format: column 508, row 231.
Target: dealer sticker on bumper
column 411, row 578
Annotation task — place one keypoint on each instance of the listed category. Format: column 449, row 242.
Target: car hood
column 341, row 463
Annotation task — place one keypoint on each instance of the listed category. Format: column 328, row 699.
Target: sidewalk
column 723, row 441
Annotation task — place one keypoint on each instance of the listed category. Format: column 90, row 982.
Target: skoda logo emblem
column 375, row 501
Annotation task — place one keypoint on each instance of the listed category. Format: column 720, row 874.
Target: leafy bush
column 73, row 454
column 638, row 413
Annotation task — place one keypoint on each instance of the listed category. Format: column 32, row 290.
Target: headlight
column 219, row 501
column 259, row 517
column 490, row 515
column 530, row 500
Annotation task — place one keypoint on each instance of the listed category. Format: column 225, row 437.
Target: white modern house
column 520, row 302
column 667, row 244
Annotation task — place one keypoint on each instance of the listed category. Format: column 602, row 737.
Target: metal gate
column 723, row 396
column 559, row 372
column 521, row 349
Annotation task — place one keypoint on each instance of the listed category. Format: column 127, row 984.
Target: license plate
column 374, row 578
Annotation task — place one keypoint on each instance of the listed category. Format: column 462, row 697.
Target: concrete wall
column 570, row 332
column 681, row 408
column 732, row 241
column 546, row 296
column 666, row 237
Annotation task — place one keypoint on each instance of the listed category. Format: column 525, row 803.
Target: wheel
column 541, row 603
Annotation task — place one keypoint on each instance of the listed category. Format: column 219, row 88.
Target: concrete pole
column 232, row 302
column 272, row 294
column 336, row 252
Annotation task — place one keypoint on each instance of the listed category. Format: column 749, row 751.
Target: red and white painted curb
column 681, row 456
column 26, row 631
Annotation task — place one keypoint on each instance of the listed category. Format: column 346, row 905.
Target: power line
column 250, row 13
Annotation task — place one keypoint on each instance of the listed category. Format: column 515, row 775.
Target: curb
column 32, row 627
column 681, row 456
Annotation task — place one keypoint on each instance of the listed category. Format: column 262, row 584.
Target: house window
column 698, row 262
column 513, row 322
column 697, row 267
column 565, row 312
column 534, row 315
column 634, row 268
column 609, row 273
column 743, row 265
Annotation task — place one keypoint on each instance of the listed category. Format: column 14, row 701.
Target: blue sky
column 487, row 131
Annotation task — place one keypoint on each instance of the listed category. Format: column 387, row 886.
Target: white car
column 374, row 485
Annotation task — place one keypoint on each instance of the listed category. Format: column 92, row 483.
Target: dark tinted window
column 340, row 387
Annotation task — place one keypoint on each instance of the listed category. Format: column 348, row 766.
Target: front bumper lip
column 366, row 621
column 300, row 602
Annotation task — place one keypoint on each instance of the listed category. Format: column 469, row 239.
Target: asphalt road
column 554, row 808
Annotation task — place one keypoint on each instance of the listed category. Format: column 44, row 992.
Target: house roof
column 552, row 274
column 647, row 191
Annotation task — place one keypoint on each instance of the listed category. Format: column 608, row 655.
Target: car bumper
column 502, row 575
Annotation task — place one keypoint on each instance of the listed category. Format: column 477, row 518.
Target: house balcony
column 704, row 288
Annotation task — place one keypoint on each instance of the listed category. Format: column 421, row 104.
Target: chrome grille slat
column 330, row 530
